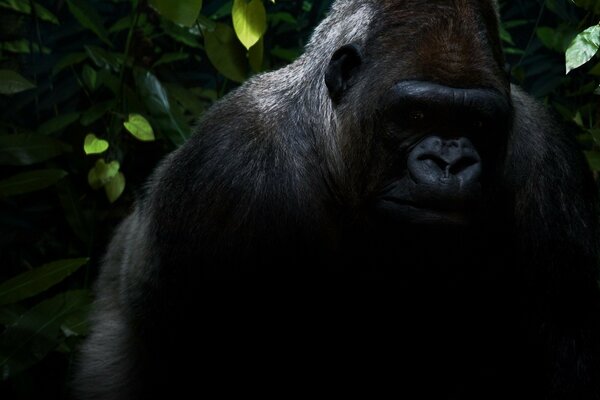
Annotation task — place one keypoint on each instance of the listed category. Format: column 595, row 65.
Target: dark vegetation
column 135, row 78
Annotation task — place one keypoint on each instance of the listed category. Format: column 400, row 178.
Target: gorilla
column 394, row 153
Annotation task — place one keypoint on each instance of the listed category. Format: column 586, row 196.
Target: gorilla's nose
column 436, row 161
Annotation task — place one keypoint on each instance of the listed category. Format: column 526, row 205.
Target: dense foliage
column 94, row 93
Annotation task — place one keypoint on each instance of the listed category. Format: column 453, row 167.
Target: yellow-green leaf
column 249, row 21
column 102, row 173
column 114, row 188
column 93, row 145
column 139, row 127
column 182, row 12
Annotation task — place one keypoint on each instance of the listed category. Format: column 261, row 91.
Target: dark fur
column 278, row 185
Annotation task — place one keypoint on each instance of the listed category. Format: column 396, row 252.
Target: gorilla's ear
column 343, row 65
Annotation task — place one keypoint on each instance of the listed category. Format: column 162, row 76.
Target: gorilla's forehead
column 450, row 41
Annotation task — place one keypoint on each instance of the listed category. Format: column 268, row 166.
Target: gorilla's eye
column 416, row 115
column 477, row 124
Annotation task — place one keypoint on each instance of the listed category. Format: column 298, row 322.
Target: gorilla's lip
column 409, row 212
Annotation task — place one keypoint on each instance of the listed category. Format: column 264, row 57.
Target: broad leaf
column 27, row 149
column 182, row 12
column 114, row 188
column 58, row 123
column 226, row 53
column 87, row 16
column 31, row 181
column 24, row 6
column 249, row 21
column 93, row 145
column 102, row 173
column 67, row 61
column 583, row 48
column 164, row 117
column 11, row 82
column 139, row 127
column 37, row 280
column 37, row 332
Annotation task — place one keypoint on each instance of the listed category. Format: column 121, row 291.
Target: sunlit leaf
column 93, row 145
column 583, row 48
column 37, row 280
column 27, row 149
column 249, row 21
column 114, row 188
column 102, row 173
column 182, row 12
column 139, row 127
column 31, row 181
column 11, row 82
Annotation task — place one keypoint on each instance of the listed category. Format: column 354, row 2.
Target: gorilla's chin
column 393, row 210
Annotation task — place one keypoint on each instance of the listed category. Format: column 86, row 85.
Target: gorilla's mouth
column 400, row 210
column 442, row 203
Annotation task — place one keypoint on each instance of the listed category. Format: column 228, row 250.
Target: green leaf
column 24, row 7
column 27, row 149
column 186, row 98
column 591, row 5
column 139, row 127
column 583, row 48
column 171, row 57
column 164, row 117
column 11, row 82
column 67, row 61
column 90, row 77
column 249, row 21
column 37, row 332
column 87, row 16
column 102, row 173
column 93, row 145
column 182, row 12
column 255, row 56
column 37, row 280
column 96, row 112
column 593, row 158
column 23, row 46
column 114, row 188
column 187, row 36
column 31, row 181
column 103, row 58
column 225, row 53
column 58, row 123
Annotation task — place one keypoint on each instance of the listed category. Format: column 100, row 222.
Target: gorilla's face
column 448, row 142
column 440, row 112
